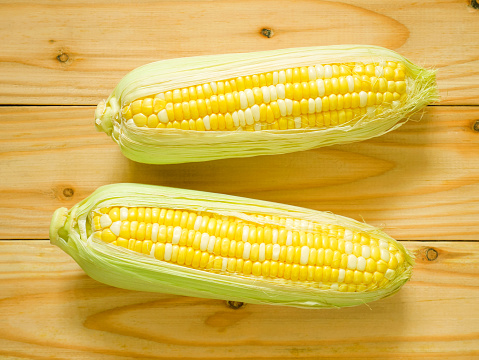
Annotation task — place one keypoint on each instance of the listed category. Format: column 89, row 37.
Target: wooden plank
column 418, row 182
column 75, row 52
column 50, row 309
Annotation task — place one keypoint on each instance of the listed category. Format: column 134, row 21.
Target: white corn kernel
column 105, row 221
column 328, row 71
column 163, row 116
column 154, row 232
column 319, row 71
column 361, row 263
column 245, row 233
column 246, row 250
column 320, row 85
column 206, row 122
column 312, row 73
column 262, row 252
column 304, row 255
column 235, row 117
column 176, row 235
column 115, row 228
column 289, row 238
column 211, row 244
column 123, row 213
column 289, row 106
column 348, row 247
column 241, row 118
column 318, row 104
column 248, row 115
column 311, row 106
column 275, row 236
column 384, row 255
column 350, row 81
column 363, row 98
column 214, row 87
column 276, row 252
column 243, row 100
column 272, row 93
column 297, row 122
column 280, row 91
column 389, row 274
column 198, row 221
column 205, row 237
column 366, row 251
column 348, row 235
column 168, row 251
column 266, row 94
column 352, row 262
column 342, row 275
column 256, row 113
column 275, row 77
column 250, row 96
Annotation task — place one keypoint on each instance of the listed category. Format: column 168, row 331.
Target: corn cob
column 209, row 245
column 239, row 105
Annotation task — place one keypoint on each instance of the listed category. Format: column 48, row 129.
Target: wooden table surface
column 419, row 183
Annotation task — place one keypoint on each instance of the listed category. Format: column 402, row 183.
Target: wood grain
column 75, row 52
column 50, row 309
column 418, row 182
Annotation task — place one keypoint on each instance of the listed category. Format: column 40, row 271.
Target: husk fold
column 165, row 146
column 116, row 266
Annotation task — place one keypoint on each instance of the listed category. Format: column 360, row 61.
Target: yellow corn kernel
column 401, row 87
column 122, row 242
column 146, row 247
column 388, row 73
column 159, row 251
column 107, row 236
column 140, row 120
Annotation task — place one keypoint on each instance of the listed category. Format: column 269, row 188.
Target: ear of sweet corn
column 184, row 242
column 271, row 102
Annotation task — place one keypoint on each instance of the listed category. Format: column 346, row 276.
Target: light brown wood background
column 420, row 183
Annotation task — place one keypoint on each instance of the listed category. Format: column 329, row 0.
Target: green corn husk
column 167, row 146
column 120, row 267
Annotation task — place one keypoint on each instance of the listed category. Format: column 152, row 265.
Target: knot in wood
column 68, row 192
column 475, row 126
column 235, row 305
column 431, row 254
column 474, row 4
column 63, row 58
column 267, row 32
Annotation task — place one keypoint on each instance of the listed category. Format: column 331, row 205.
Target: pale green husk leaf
column 116, row 266
column 165, row 146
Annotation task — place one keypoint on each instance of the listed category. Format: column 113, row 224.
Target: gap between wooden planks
column 61, row 54
column 420, row 181
column 50, row 308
